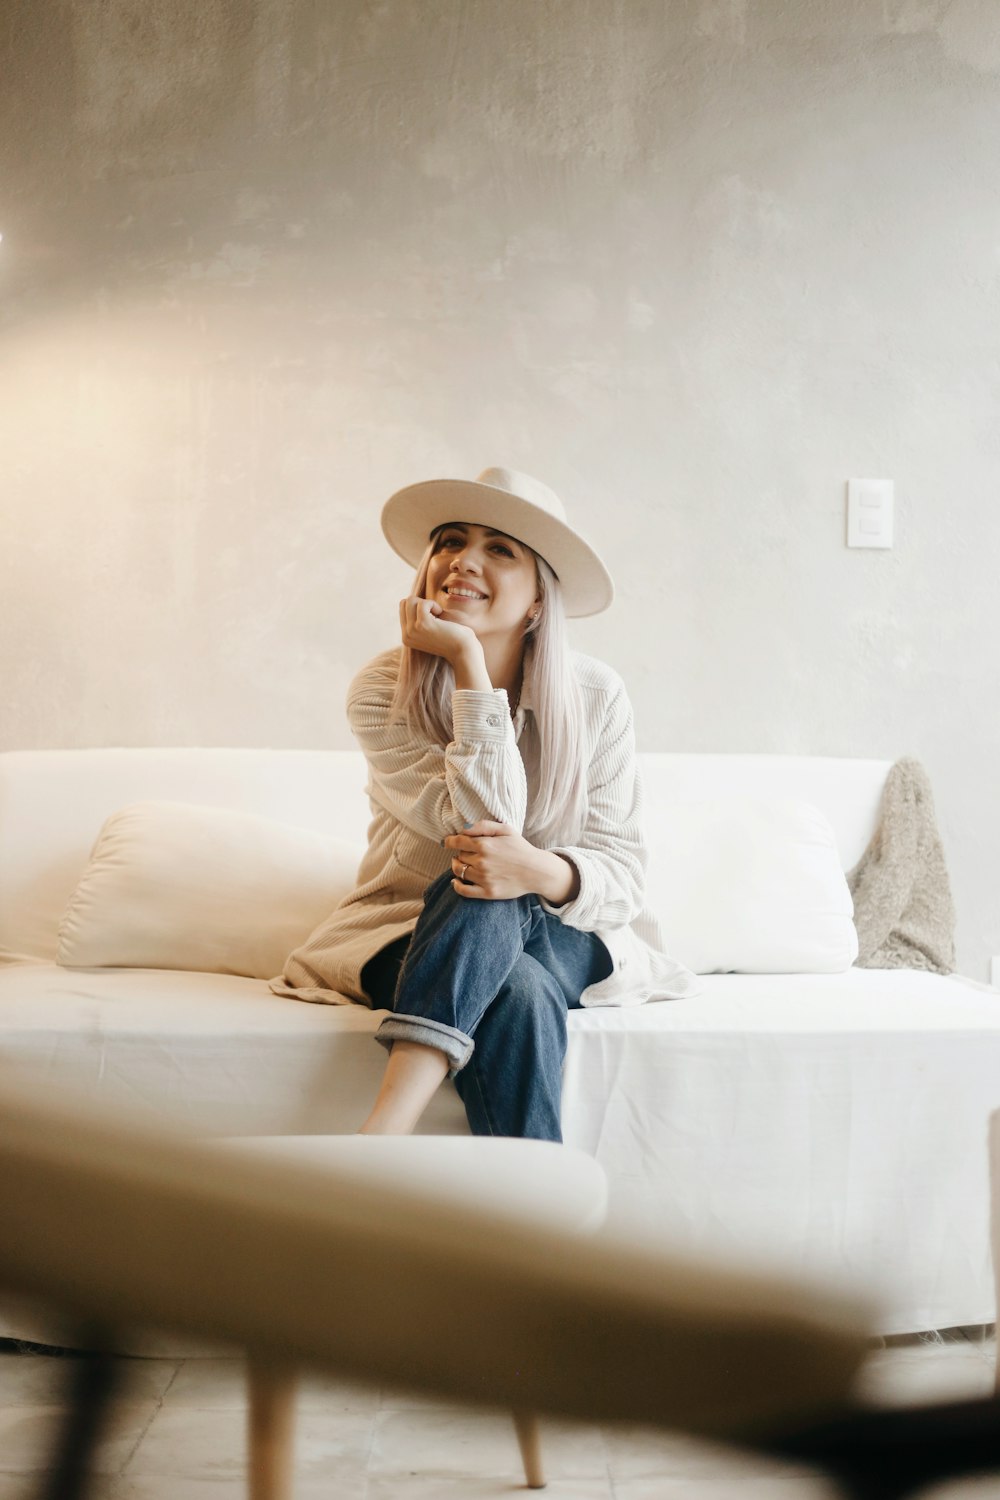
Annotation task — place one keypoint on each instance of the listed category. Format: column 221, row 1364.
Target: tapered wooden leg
column 529, row 1440
column 270, row 1430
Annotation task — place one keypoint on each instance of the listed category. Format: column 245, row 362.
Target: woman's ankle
column 381, row 1124
column 413, row 1075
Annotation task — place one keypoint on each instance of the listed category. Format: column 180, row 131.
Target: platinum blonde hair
column 422, row 700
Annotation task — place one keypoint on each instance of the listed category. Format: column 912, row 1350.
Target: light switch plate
column 869, row 512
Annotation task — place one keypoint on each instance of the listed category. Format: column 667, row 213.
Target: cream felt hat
column 507, row 501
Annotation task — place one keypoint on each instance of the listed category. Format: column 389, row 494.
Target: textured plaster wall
column 695, row 264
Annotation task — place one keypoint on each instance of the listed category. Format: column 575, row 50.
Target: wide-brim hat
column 507, row 501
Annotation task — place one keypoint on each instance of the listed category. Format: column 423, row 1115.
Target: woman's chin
column 457, row 616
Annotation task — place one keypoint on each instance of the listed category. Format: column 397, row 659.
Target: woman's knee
column 530, row 990
column 443, row 901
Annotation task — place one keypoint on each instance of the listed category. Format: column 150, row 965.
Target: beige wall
column 695, row 264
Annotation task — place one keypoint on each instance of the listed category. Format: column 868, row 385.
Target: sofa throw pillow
column 172, row 885
column 751, row 887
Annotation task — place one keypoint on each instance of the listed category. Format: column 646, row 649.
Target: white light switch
column 869, row 512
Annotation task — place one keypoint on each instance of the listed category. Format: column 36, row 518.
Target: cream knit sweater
column 420, row 792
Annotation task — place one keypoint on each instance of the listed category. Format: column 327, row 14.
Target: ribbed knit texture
column 903, row 908
column 420, row 793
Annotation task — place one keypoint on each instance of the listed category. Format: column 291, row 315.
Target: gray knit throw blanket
column 903, row 909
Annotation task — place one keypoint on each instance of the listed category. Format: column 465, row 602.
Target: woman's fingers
column 411, row 622
column 469, row 890
column 470, row 837
column 424, row 628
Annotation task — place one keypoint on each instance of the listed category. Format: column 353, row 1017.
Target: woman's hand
column 493, row 862
column 423, row 629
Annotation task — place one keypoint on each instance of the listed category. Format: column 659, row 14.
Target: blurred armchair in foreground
column 115, row 1224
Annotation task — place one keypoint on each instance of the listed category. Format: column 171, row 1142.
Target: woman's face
column 482, row 578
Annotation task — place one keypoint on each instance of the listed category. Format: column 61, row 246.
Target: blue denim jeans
column 489, row 984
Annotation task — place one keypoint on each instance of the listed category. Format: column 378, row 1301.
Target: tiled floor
column 178, row 1434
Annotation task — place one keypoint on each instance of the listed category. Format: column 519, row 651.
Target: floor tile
column 899, row 1377
column 221, row 1384
column 166, row 1487
column 986, row 1488
column 640, row 1453
column 434, row 1443
column 42, row 1380
column 479, row 1486
column 180, row 1430
column 439, row 1443
column 405, row 1398
column 754, row 1487
column 28, row 1436
column 326, row 1393
column 190, row 1443
column 211, row 1384
column 19, row 1486
column 571, row 1449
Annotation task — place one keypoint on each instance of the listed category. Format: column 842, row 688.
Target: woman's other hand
column 493, row 862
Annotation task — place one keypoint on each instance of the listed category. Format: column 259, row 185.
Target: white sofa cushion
column 745, row 886
column 172, row 885
column 53, row 802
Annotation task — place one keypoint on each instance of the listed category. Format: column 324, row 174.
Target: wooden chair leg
column 529, row 1440
column 270, row 1430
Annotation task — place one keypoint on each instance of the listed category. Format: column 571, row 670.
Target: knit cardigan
column 421, row 791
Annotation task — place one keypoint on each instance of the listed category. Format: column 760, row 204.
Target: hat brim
column 412, row 514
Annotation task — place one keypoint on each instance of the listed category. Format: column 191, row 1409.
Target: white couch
column 832, row 1124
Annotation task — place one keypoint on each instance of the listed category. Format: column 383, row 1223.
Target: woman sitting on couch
column 504, row 879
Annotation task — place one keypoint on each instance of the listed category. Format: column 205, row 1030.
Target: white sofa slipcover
column 832, row 1125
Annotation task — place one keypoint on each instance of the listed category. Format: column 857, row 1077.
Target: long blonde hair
column 422, row 700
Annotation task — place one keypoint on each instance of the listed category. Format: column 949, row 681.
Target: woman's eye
column 459, row 541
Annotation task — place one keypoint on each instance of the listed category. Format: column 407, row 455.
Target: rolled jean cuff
column 456, row 1046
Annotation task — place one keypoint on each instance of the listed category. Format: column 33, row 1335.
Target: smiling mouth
column 463, row 594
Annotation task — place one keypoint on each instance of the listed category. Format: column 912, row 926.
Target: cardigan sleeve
column 611, row 855
column 435, row 790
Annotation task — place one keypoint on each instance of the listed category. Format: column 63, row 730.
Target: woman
column 504, row 879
